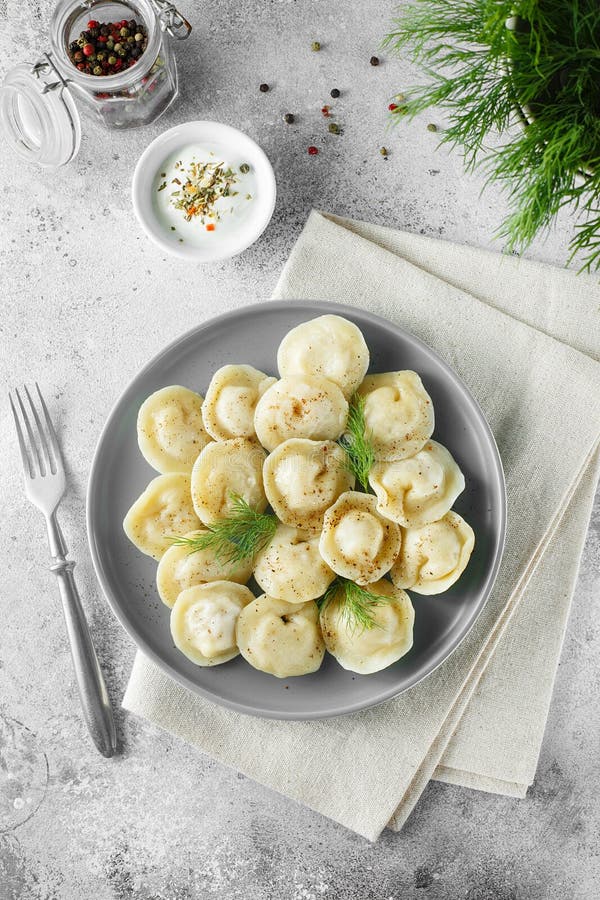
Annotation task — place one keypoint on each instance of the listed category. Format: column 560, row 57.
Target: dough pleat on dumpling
column 170, row 429
column 180, row 569
column 330, row 346
column 163, row 511
column 204, row 620
column 225, row 470
column 291, row 568
column 398, row 413
column 357, row 541
column 230, row 402
column 417, row 490
column 300, row 406
column 303, row 478
column 434, row 556
column 369, row 650
column 280, row 638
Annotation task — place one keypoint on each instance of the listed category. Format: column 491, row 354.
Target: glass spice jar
column 39, row 103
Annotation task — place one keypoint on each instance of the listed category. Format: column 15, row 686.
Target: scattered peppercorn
column 288, row 119
column 374, row 60
column 334, row 128
column 263, row 88
column 105, row 48
column 384, row 151
column 312, row 151
column 210, row 226
column 335, row 93
column 315, row 46
column 244, row 168
column 392, row 107
column 431, row 127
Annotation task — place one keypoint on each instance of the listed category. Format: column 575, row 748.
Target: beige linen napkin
column 525, row 338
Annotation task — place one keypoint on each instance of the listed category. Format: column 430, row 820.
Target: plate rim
column 322, row 307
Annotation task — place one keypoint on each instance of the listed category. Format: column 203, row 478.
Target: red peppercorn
column 312, row 150
column 392, row 107
column 119, row 64
column 102, row 39
column 81, row 66
column 325, row 111
column 210, row 227
column 93, row 24
column 88, row 49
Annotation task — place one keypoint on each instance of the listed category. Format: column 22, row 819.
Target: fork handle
column 96, row 706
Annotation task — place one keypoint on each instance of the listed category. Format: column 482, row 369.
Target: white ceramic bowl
column 233, row 147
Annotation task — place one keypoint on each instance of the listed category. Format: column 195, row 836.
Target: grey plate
column 119, row 474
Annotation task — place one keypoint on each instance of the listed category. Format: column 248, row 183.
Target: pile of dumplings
column 276, row 443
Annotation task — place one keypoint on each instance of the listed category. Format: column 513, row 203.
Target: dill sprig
column 356, row 603
column 360, row 453
column 487, row 62
column 237, row 537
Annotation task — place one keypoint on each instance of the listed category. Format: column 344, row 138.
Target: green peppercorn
column 97, row 70
column 334, row 128
column 110, row 44
column 124, row 32
column 139, row 37
column 244, row 168
column 383, row 151
column 118, row 46
column 100, row 56
column 431, row 127
column 112, row 60
column 315, row 46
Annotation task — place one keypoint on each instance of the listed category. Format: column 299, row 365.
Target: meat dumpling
column 291, row 568
column 398, row 414
column 303, row 478
column 419, row 489
column 357, row 541
column 170, row 429
column 370, row 649
column 204, row 619
column 163, row 511
column 230, row 402
column 280, row 638
column 330, row 346
column 434, row 556
column 224, row 470
column 300, row 406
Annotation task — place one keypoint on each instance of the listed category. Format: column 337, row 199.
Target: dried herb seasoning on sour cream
column 200, row 190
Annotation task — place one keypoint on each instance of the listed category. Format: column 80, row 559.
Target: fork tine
column 34, row 448
column 42, row 434
column 51, row 432
column 22, row 446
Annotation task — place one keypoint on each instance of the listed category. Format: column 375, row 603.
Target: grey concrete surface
column 86, row 300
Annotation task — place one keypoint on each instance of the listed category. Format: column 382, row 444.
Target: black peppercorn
column 374, row 60
column 288, row 119
column 263, row 88
column 335, row 93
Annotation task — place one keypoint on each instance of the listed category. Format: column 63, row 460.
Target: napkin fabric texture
column 526, row 340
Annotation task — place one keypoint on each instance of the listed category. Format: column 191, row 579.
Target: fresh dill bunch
column 356, row 603
column 360, row 453
column 237, row 537
column 491, row 62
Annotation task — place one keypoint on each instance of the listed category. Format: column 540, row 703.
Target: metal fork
column 45, row 485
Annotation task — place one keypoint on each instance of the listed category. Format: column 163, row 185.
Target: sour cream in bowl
column 203, row 191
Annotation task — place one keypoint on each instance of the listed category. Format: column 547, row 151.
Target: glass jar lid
column 38, row 114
